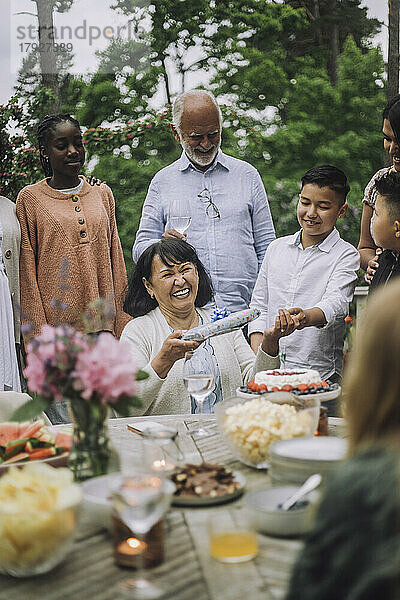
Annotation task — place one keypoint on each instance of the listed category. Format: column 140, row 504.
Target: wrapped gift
column 226, row 325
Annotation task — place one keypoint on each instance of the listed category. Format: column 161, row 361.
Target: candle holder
column 161, row 453
column 139, row 504
column 128, row 548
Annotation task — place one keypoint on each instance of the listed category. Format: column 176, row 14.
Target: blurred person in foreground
column 167, row 295
column 353, row 551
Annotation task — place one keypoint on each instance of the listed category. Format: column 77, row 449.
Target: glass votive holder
column 161, row 454
column 128, row 547
column 232, row 540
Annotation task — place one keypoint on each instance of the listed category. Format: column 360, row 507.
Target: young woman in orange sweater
column 71, row 254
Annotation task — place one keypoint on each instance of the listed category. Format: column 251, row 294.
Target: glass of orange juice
column 232, row 538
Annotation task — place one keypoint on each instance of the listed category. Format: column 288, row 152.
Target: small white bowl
column 266, row 517
column 97, row 494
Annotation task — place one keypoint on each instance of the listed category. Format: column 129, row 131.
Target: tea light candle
column 131, row 547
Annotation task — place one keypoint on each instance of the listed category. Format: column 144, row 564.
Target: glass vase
column 91, row 454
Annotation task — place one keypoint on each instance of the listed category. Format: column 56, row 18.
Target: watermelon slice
column 23, row 427
column 32, row 430
column 63, row 440
column 14, row 447
column 18, row 457
column 8, row 432
column 42, row 453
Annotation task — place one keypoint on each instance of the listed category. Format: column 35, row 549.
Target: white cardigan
column 236, row 360
column 10, row 250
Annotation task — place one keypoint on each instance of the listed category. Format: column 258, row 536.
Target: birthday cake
column 287, row 380
column 280, row 377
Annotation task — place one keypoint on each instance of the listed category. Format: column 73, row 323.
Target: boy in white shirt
column 313, row 269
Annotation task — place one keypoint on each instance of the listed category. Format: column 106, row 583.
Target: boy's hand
column 285, row 322
column 300, row 316
column 284, row 325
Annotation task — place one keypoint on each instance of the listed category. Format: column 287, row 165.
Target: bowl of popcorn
column 38, row 518
column 249, row 427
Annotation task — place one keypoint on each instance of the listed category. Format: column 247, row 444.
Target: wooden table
column 188, row 572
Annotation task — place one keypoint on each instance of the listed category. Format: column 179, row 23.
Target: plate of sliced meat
column 206, row 484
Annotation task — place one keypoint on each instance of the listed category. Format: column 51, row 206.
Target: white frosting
column 287, row 377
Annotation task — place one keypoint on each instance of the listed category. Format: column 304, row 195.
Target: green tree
column 262, row 45
column 249, row 44
column 240, row 45
column 329, row 23
column 19, row 159
column 176, row 29
column 254, row 51
column 324, row 124
column 131, row 72
column 45, row 66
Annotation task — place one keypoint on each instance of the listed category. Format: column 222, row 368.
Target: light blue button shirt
column 232, row 247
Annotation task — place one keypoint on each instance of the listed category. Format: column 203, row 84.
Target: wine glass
column 199, row 379
column 140, row 501
column 179, row 218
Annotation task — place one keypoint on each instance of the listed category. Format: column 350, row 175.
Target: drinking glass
column 232, row 539
column 199, row 379
column 179, row 217
column 140, row 501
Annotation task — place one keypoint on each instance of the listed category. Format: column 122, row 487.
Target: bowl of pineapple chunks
column 38, row 517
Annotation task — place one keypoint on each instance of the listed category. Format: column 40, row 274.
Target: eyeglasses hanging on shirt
column 211, row 209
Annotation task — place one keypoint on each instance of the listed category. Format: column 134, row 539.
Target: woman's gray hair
column 179, row 105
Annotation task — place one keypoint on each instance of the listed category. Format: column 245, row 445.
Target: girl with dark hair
column 167, row 294
column 71, row 254
column 391, row 144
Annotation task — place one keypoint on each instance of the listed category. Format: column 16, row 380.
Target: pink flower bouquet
column 64, row 363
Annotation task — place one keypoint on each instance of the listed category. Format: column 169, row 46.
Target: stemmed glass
column 140, row 501
column 199, row 379
column 179, row 218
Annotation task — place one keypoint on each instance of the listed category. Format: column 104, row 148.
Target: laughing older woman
column 166, row 294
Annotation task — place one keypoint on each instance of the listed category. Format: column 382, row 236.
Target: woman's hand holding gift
column 173, row 349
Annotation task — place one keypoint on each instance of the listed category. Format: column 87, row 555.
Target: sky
column 87, row 26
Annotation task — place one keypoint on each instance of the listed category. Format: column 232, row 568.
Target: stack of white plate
column 293, row 461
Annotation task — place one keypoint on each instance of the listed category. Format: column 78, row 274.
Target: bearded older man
column 223, row 198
